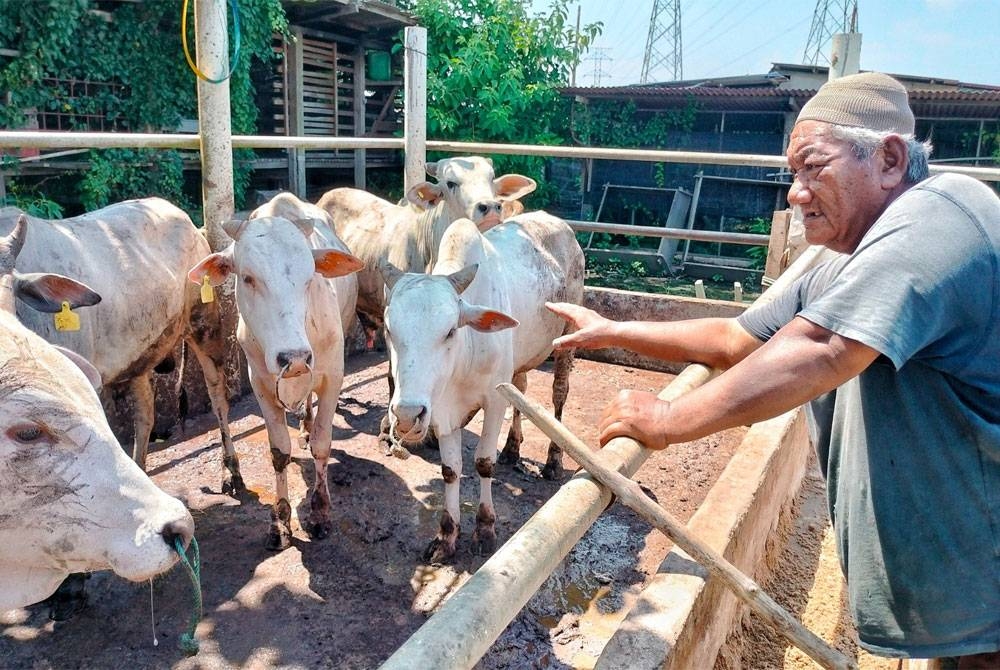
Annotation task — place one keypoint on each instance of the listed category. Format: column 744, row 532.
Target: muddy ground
column 350, row 600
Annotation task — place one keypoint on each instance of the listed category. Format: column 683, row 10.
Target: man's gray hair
column 865, row 142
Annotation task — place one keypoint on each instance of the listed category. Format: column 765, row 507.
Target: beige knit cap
column 867, row 100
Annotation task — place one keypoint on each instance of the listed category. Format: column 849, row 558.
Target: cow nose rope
column 188, row 643
column 152, row 614
column 299, row 408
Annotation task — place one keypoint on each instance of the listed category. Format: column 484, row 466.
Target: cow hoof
column 70, row 598
column 508, row 457
column 484, row 544
column 279, row 538
column 439, row 551
column 552, row 472
column 233, row 486
column 319, row 529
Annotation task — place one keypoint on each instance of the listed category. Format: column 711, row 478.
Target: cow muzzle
column 487, row 214
column 294, row 364
column 410, row 422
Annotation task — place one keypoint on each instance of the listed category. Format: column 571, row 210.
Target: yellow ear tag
column 65, row 318
column 207, row 292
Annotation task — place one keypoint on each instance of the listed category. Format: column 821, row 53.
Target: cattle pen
column 677, row 619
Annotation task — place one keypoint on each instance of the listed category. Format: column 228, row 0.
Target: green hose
column 188, row 643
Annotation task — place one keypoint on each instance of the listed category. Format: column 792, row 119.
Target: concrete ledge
column 681, row 620
column 632, row 306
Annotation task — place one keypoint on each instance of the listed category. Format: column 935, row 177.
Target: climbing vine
column 614, row 124
column 138, row 80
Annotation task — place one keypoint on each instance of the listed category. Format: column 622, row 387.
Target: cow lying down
column 479, row 319
column 291, row 332
column 72, row 500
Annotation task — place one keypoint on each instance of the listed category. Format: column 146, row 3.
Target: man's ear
column 895, row 160
column 217, row 267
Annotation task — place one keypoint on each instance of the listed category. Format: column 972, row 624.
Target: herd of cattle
column 456, row 253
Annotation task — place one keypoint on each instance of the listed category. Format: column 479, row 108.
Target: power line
column 769, row 41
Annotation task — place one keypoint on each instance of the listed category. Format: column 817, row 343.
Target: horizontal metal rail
column 78, row 140
column 749, row 239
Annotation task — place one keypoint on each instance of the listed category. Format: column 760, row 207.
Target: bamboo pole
column 631, row 495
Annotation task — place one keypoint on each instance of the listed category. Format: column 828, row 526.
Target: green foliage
column 30, row 201
column 135, row 49
column 613, row 124
column 493, row 73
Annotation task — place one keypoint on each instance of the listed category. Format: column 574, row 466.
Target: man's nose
column 798, row 194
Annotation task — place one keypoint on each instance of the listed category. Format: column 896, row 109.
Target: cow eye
column 452, row 185
column 248, row 280
column 26, row 433
column 451, row 334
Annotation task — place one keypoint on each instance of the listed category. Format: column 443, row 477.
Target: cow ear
column 234, row 227
column 390, row 273
column 461, row 279
column 306, row 225
column 47, row 292
column 11, row 244
column 425, row 194
column 483, row 319
column 513, row 186
column 509, row 208
column 333, row 263
column 217, row 267
column 88, row 369
column 431, row 168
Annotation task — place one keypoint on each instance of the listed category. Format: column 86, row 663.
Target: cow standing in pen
column 135, row 254
column 407, row 235
column 291, row 294
column 73, row 501
column 479, row 319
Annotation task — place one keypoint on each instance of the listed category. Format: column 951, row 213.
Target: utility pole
column 663, row 45
column 829, row 18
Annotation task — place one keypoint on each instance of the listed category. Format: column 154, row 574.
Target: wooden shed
column 337, row 77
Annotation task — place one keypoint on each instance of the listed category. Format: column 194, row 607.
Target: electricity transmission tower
column 599, row 56
column 663, row 46
column 830, row 17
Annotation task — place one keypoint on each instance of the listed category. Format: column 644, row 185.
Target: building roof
column 784, row 90
column 354, row 17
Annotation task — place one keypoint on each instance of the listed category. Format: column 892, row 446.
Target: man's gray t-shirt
column 911, row 447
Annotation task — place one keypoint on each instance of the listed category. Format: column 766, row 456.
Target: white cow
column 291, row 331
column 445, row 371
column 72, row 500
column 136, row 255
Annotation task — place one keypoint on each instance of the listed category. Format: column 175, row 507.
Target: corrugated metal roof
column 926, row 104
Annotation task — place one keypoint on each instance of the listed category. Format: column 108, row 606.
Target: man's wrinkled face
column 840, row 194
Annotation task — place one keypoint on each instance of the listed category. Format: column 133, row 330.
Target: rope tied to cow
column 298, row 408
column 188, row 643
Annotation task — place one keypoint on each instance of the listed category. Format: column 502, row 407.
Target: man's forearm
column 800, row 363
column 716, row 342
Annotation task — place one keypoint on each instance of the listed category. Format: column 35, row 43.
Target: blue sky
column 953, row 39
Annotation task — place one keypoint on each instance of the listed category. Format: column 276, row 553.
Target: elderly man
column 895, row 345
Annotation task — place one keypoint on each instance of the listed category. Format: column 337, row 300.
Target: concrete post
column 214, row 126
column 215, row 137
column 845, row 55
column 415, row 114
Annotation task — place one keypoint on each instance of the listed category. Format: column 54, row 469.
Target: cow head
column 468, row 189
column 43, row 292
column 427, row 327
column 73, row 500
column 275, row 268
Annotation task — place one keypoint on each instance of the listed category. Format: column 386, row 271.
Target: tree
column 494, row 70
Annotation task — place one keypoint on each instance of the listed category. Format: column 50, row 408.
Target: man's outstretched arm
column 801, row 362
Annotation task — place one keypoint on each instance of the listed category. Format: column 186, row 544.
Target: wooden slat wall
column 328, row 86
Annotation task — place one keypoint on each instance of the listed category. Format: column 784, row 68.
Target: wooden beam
column 295, row 112
column 360, row 74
